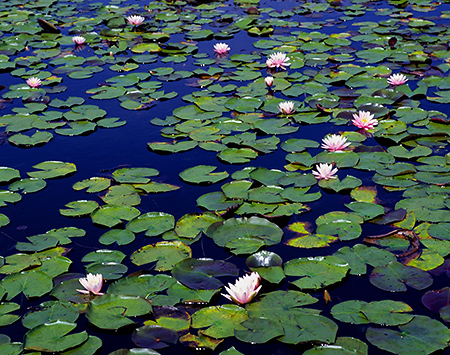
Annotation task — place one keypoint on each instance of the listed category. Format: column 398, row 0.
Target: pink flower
column 364, row 120
column 135, row 20
column 334, row 143
column 244, row 289
column 92, row 284
column 78, row 39
column 397, row 79
column 286, row 107
column 269, row 81
column 221, row 48
column 34, row 82
column 278, row 60
column 325, row 171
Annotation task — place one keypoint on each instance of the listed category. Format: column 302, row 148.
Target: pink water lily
column 325, row 171
column 334, row 143
column 397, row 79
column 364, row 120
column 286, row 107
column 135, row 20
column 34, row 82
column 78, row 39
column 278, row 60
column 244, row 289
column 269, row 81
column 92, row 284
column 221, row 48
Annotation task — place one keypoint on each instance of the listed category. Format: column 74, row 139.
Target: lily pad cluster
column 162, row 285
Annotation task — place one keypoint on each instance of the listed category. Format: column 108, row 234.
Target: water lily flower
column 335, row 143
column 221, row 48
column 278, row 60
column 34, row 82
column 244, row 289
column 364, row 120
column 397, row 79
column 325, row 171
column 135, row 20
column 286, row 107
column 78, row 39
column 269, row 81
column 92, row 284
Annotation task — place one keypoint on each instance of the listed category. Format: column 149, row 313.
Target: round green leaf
column 167, row 254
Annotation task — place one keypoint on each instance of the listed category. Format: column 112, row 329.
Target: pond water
column 146, row 157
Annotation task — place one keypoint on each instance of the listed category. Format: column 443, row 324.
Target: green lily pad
column 134, row 175
column 172, row 147
column 51, row 311
column 119, row 236
column 141, row 285
column 29, row 185
column 422, row 334
column 8, row 196
column 349, row 182
column 220, row 322
column 154, row 337
column 6, row 318
column 166, row 254
column 79, row 208
column 153, row 223
column 4, row 221
column 385, row 312
column 317, row 272
column 111, row 215
column 202, row 174
column 32, row 283
column 259, row 330
column 52, row 169
column 92, row 185
column 112, row 311
column 52, row 337
column 199, row 274
column 342, row 346
column 253, row 227
column 394, row 277
column 8, row 174
column 192, row 224
column 122, row 195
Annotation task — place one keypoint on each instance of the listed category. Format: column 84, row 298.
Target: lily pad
column 166, row 254
column 317, row 272
column 52, row 337
column 202, row 174
column 394, row 277
column 422, row 334
column 199, row 274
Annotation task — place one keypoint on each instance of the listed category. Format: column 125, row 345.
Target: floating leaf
column 154, row 337
column 317, row 272
column 52, row 169
column 422, row 334
column 111, row 215
column 199, row 274
column 167, row 254
column 253, row 227
column 202, row 174
column 259, row 330
column 52, row 337
column 154, row 223
column 111, row 311
column 221, row 321
column 394, row 277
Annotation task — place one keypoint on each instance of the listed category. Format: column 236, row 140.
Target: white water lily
column 244, row 289
column 92, row 284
